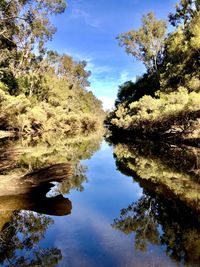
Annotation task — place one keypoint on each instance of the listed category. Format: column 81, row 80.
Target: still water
column 106, row 215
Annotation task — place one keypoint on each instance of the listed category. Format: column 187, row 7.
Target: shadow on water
column 168, row 212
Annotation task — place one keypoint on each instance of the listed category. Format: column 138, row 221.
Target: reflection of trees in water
column 28, row 163
column 182, row 159
column 27, row 169
column 28, row 155
column 180, row 227
column 75, row 181
column 19, row 241
column 166, row 166
column 177, row 157
column 139, row 218
column 167, row 214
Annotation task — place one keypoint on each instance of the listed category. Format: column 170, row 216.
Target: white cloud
column 96, row 70
column 124, row 76
column 80, row 57
column 99, row 227
column 108, row 102
column 79, row 13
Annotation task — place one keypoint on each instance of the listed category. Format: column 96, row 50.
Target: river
column 112, row 214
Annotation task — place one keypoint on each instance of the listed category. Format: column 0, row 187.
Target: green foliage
column 41, row 91
column 145, row 85
column 26, row 116
column 171, row 113
column 25, row 27
column 146, row 44
column 185, row 10
column 182, row 52
column 167, row 102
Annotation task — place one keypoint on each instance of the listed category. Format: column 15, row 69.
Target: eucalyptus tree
column 25, row 27
column 146, row 44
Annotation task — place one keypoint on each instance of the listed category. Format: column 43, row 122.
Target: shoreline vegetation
column 164, row 103
column 41, row 91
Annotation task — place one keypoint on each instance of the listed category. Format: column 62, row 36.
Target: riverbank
column 164, row 102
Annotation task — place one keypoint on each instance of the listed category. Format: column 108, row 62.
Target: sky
column 87, row 30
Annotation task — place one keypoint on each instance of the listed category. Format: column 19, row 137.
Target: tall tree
column 24, row 28
column 146, row 44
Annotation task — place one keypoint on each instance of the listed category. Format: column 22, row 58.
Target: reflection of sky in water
column 86, row 237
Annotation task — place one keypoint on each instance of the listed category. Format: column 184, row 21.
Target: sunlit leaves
column 146, row 44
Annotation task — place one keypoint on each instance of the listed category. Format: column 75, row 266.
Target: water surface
column 102, row 218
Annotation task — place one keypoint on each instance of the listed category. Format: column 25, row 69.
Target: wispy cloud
column 97, row 70
column 81, row 57
column 79, row 13
column 124, row 76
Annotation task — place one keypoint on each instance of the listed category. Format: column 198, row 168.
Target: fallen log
column 16, row 184
column 54, row 173
column 29, row 193
column 37, row 201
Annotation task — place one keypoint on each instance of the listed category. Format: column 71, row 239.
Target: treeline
column 41, row 90
column 165, row 101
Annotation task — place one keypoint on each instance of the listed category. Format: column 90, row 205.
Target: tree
column 41, row 81
column 130, row 91
column 73, row 71
column 24, row 28
column 26, row 23
column 182, row 57
column 146, row 44
column 185, row 10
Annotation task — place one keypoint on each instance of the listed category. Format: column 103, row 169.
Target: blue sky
column 87, row 31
